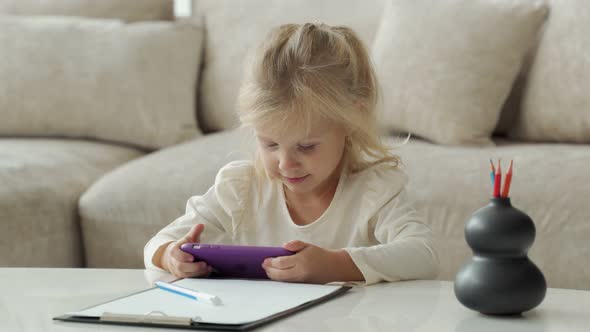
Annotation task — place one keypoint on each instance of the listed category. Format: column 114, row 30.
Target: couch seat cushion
column 129, row 205
column 42, row 180
column 450, row 183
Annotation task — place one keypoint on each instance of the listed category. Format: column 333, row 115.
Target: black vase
column 500, row 279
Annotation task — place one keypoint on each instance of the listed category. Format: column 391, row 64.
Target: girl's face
column 303, row 163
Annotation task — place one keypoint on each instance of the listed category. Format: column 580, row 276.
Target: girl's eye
column 307, row 147
column 271, row 145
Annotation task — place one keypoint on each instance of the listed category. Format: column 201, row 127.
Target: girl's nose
column 287, row 161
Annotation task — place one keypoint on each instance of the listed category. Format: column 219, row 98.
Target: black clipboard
column 158, row 321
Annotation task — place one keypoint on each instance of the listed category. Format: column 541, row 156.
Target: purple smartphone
column 234, row 261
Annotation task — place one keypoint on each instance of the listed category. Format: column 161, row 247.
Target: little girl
column 322, row 184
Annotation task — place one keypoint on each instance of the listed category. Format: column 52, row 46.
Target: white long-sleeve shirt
column 369, row 217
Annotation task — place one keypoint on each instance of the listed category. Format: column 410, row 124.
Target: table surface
column 31, row 297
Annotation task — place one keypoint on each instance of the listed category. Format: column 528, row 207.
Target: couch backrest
column 234, row 28
column 555, row 104
column 549, row 99
column 73, row 68
column 511, row 106
column 128, row 10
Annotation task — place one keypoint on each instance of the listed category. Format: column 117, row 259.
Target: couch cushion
column 450, row 183
column 556, row 102
column 78, row 77
column 234, row 28
column 129, row 205
column 446, row 67
column 144, row 10
column 42, row 180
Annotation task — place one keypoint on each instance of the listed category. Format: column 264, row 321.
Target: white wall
column 182, row 8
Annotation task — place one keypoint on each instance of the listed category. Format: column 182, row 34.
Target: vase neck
column 504, row 201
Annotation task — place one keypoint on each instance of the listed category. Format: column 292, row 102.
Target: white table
column 31, row 297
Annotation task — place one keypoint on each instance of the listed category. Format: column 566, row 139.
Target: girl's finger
column 193, row 234
column 284, row 262
column 181, row 256
column 192, row 267
column 280, row 274
column 295, row 245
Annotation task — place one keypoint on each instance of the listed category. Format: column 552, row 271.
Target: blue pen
column 191, row 294
column 493, row 172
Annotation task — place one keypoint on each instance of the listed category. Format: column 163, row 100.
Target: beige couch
column 97, row 152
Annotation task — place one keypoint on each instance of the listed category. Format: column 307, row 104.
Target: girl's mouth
column 297, row 180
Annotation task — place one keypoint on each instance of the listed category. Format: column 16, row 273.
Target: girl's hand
column 180, row 263
column 312, row 264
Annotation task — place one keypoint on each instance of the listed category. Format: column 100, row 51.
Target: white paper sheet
column 244, row 301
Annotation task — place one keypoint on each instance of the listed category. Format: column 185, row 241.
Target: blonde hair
column 307, row 70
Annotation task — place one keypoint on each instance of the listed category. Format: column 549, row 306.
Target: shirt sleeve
column 406, row 249
column 219, row 209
